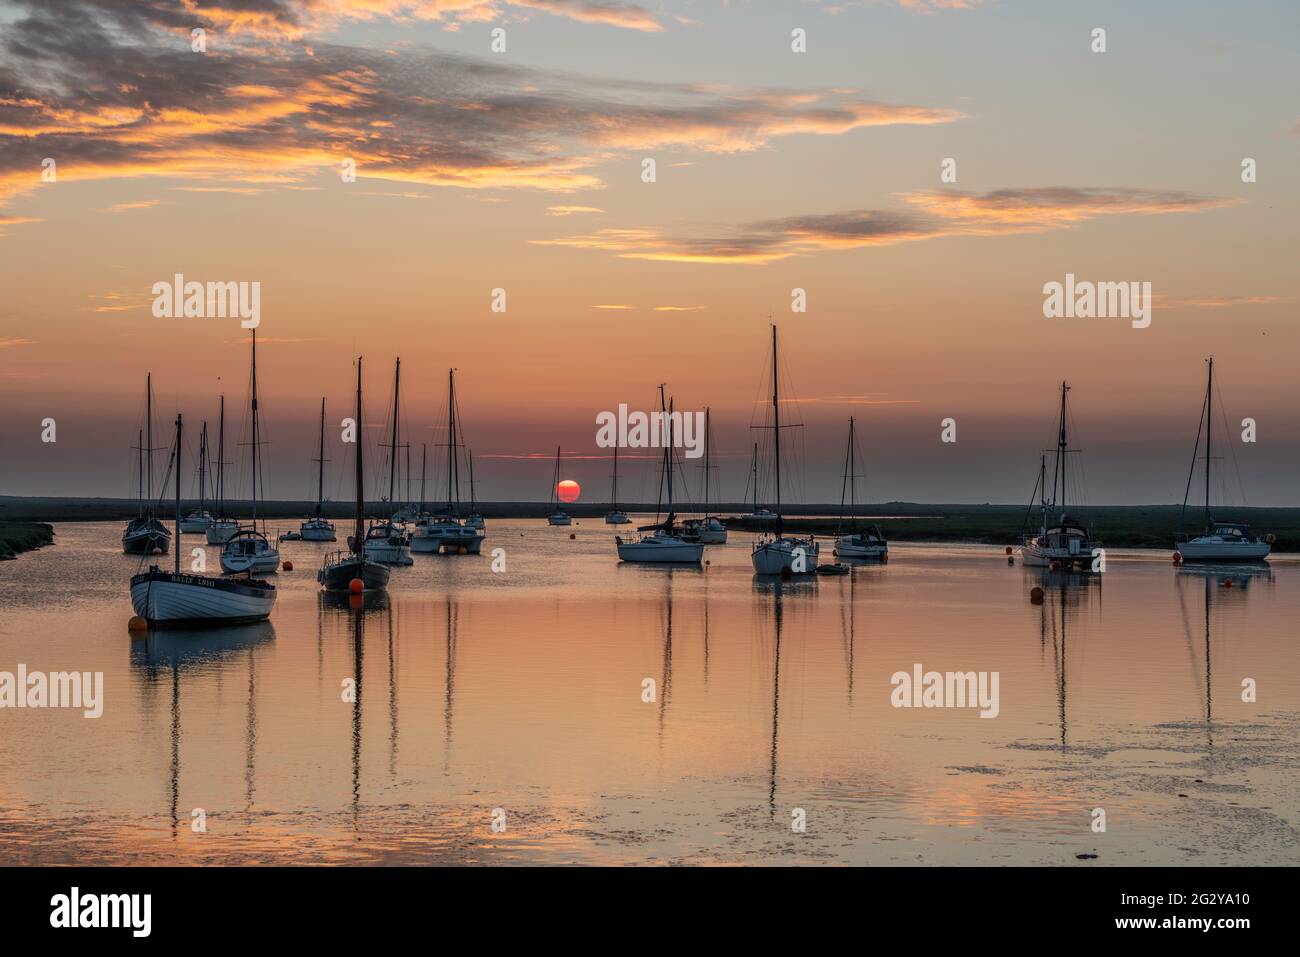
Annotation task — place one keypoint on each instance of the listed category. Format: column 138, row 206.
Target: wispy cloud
column 1218, row 302
column 126, row 207
column 930, row 215
column 571, row 210
column 13, row 342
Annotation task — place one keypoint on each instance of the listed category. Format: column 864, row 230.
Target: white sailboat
column 857, row 541
column 615, row 515
column 558, row 516
column 446, row 532
column 474, row 519
column 387, row 542
column 249, row 550
column 1221, row 541
column 1062, row 543
column 164, row 598
column 665, row 543
column 221, row 528
column 144, row 534
column 708, row 530
column 198, row 520
column 779, row 554
column 761, row 513
column 318, row 528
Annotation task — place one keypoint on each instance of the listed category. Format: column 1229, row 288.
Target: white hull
column 559, row 518
column 432, row 538
column 313, row 531
column 660, row 549
column 617, row 518
column 713, row 536
column 196, row 598
column 846, row 548
column 1213, row 549
column 266, row 563
column 193, row 526
column 1038, row 556
column 785, row 555
column 220, row 532
column 388, row 554
column 795, row 556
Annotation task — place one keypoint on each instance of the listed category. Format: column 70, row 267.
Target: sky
column 523, row 169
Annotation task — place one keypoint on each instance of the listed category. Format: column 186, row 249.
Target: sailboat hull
column 143, row 537
column 220, row 532
column 786, row 556
column 559, row 518
column 1211, row 548
column 660, row 550
column 317, row 531
column 338, row 576
column 167, row 598
column 854, row 546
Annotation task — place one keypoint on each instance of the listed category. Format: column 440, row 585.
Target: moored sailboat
column 340, row 569
column 664, row 544
column 248, row 549
column 145, row 534
column 558, row 515
column 615, row 515
column 198, row 520
column 708, row 530
column 387, row 541
column 856, row 541
column 318, row 528
column 221, row 528
column 1062, row 543
column 779, row 554
column 447, row 532
column 1221, row 541
column 162, row 597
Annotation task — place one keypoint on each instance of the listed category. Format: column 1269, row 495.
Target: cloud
column 932, row 214
column 125, row 207
column 1214, row 302
column 13, row 342
column 106, row 90
column 571, row 210
column 613, row 306
column 678, row 308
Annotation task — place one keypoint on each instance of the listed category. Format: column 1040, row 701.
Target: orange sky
column 522, row 170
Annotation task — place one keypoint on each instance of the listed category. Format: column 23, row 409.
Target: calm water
column 522, row 690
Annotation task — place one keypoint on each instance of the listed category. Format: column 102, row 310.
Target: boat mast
column 178, row 493
column 392, row 471
column 753, row 468
column 1058, row 469
column 707, row 432
column 1209, row 432
column 555, row 482
column 139, row 471
column 424, row 460
column 776, row 432
column 148, row 417
column 613, row 497
column 320, row 459
column 203, row 457
column 358, row 535
column 853, row 465
column 451, row 440
column 256, row 433
column 221, row 462
column 473, row 498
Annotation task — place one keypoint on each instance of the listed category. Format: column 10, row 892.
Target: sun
column 568, row 491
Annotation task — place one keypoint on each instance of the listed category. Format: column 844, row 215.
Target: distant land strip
column 1116, row 526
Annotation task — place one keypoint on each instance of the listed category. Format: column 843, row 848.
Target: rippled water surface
column 522, row 690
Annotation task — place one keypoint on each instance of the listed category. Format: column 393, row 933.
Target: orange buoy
column 1036, row 595
column 572, row 535
column 137, row 624
column 1227, row 583
column 1008, row 549
column 356, row 586
column 287, row 566
column 1178, row 558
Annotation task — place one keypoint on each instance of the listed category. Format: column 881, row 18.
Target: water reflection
column 1065, row 595
column 166, row 653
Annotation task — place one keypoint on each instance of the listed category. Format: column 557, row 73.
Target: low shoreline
column 18, row 537
column 1117, row 526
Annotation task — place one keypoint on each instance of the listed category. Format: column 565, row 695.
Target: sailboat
column 1221, row 541
column 248, row 550
column 386, row 541
column 559, row 516
column 858, row 541
column 779, row 554
column 664, row 543
column 759, row 514
column 446, row 531
column 1062, row 543
column 707, row 530
column 200, row 518
column 318, row 528
column 340, row 569
column 144, row 534
column 615, row 515
column 221, row 528
column 162, row 597
column 474, row 519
